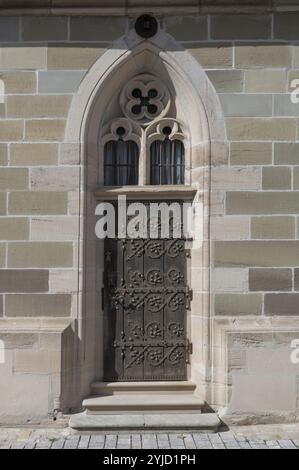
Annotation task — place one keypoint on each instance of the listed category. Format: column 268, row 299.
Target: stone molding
column 89, row 109
column 131, row 7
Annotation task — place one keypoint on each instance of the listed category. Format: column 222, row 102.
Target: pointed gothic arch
column 197, row 107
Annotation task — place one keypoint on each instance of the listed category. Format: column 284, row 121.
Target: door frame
column 208, row 146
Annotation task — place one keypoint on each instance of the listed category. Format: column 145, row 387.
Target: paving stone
column 58, row 444
column 124, row 441
column 258, row 446
column 136, row 441
column 273, row 445
column 244, row 445
column 203, row 445
column 286, row 444
column 176, row 441
column 218, row 445
column 200, row 436
column 163, row 441
column 30, row 445
column 84, row 442
column 189, row 442
column 149, row 441
column 44, row 439
column 216, row 441
column 110, row 441
column 97, row 442
column 72, row 443
column 18, row 445
column 232, row 444
column 240, row 438
column 5, row 445
column 202, row 441
column 44, row 444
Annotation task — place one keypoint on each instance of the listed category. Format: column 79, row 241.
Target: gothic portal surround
column 190, row 106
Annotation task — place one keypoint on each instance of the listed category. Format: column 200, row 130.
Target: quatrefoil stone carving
column 144, row 99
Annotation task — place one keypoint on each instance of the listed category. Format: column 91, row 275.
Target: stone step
column 132, row 403
column 201, row 422
column 114, row 388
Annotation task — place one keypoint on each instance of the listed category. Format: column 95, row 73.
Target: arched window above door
column 121, row 149
column 146, row 146
column 120, row 161
column 167, row 154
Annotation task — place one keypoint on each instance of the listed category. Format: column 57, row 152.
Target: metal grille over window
column 120, row 161
column 167, row 160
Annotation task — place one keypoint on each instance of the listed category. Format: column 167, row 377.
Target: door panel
column 145, row 302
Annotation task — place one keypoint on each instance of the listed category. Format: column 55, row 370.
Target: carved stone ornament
column 167, row 126
column 144, row 99
column 123, row 128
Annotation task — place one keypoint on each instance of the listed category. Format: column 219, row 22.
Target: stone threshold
column 201, row 422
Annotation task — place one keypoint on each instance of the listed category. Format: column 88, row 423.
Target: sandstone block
column 44, row 28
column 24, row 280
column 14, row 228
column 44, row 129
column 277, row 178
column 37, row 203
column 13, row 178
column 24, row 154
column 40, row 255
column 238, row 304
column 259, row 253
column 270, row 279
column 267, row 203
column 273, row 227
column 250, row 153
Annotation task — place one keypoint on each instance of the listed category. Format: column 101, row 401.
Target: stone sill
column 34, row 324
column 148, row 192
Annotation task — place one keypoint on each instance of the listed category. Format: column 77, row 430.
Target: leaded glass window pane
column 167, row 161
column 120, row 162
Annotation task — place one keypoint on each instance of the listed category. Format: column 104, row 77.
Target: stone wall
column 251, row 61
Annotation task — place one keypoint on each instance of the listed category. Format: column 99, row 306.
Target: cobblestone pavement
column 249, row 437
